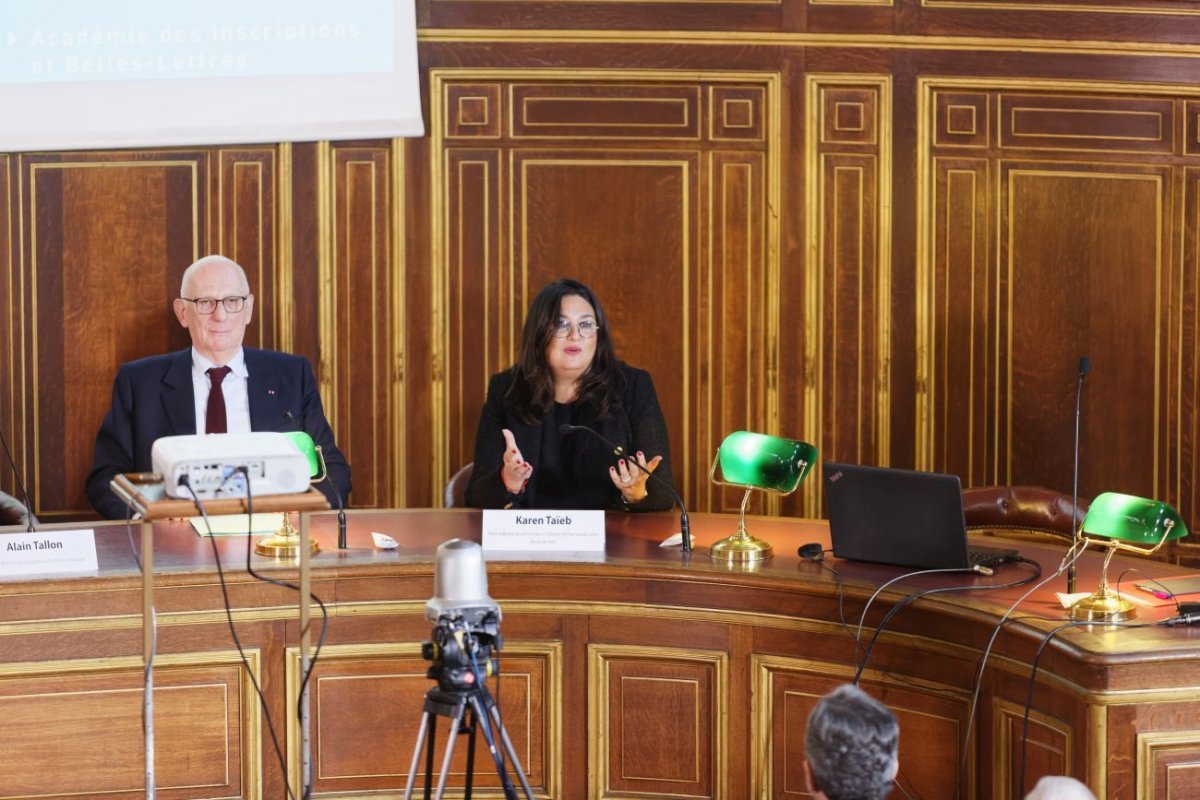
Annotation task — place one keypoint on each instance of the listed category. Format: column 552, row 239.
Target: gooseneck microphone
column 337, row 493
column 12, row 462
column 1084, row 365
column 685, row 527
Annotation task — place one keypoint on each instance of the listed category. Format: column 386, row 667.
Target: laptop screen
column 896, row 516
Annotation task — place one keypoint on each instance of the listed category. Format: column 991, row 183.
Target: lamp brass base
column 1103, row 607
column 284, row 543
column 278, row 546
column 740, row 548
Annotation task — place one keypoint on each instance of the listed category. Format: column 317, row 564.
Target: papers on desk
column 233, row 524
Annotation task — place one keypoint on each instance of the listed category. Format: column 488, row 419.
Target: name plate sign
column 48, row 552
column 545, row 531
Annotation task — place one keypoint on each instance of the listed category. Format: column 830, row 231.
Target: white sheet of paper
column 227, row 524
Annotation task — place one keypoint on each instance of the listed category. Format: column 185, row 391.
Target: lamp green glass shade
column 756, row 461
column 1133, row 524
column 1136, row 520
column 765, row 462
column 285, row 542
column 312, row 453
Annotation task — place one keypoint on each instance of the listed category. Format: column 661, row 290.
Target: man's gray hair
column 851, row 745
column 205, row 261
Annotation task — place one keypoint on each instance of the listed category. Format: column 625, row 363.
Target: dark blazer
column 153, row 397
column 636, row 425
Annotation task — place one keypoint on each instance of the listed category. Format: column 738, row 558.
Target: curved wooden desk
column 636, row 673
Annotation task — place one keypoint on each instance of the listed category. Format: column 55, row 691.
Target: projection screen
column 82, row 74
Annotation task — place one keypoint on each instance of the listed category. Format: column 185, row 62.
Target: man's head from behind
column 215, row 305
column 851, row 746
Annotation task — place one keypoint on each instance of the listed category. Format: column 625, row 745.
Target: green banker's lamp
column 756, row 461
column 285, row 542
column 1134, row 525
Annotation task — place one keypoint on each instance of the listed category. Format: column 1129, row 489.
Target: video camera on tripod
column 462, row 649
column 466, row 632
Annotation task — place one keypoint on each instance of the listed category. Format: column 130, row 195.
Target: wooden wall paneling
column 654, row 155
column 1088, row 189
column 481, row 328
column 206, row 728
column 359, row 332
column 367, row 701
column 644, row 275
column 11, row 361
column 787, row 689
column 1069, row 234
column 1046, row 744
column 961, row 319
column 1188, row 438
column 735, row 348
column 108, row 237
column 660, row 718
column 246, row 213
column 847, row 308
column 1168, row 764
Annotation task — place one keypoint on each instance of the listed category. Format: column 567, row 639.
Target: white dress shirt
column 235, row 387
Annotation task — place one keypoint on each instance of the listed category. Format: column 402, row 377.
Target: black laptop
column 901, row 517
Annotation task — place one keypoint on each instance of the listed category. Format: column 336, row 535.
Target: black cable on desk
column 879, row 628
column 306, row 792
column 262, row 700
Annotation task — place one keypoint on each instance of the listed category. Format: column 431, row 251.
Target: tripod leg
column 455, row 723
column 416, row 759
column 508, row 748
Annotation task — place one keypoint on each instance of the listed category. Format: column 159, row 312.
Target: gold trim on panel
column 1097, row 742
column 1060, row 7
column 974, row 121
column 285, row 301
column 439, row 291
column 327, row 281
column 227, row 246
column 9, row 359
column 397, row 394
column 1147, row 746
column 1003, row 712
column 814, row 40
column 815, row 214
column 1015, row 111
column 599, row 657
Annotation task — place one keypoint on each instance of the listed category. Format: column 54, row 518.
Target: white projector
column 208, row 463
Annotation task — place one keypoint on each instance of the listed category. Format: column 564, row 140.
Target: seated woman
column 568, row 374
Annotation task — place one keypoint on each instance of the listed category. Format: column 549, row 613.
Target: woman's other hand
column 630, row 480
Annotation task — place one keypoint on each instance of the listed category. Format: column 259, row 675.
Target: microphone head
column 813, row 551
column 565, row 429
column 1084, row 365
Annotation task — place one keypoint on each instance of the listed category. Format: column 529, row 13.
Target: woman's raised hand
column 516, row 471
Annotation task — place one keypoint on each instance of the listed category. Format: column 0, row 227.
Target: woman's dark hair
column 532, row 388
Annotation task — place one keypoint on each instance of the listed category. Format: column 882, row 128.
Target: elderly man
column 850, row 748
column 214, row 386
